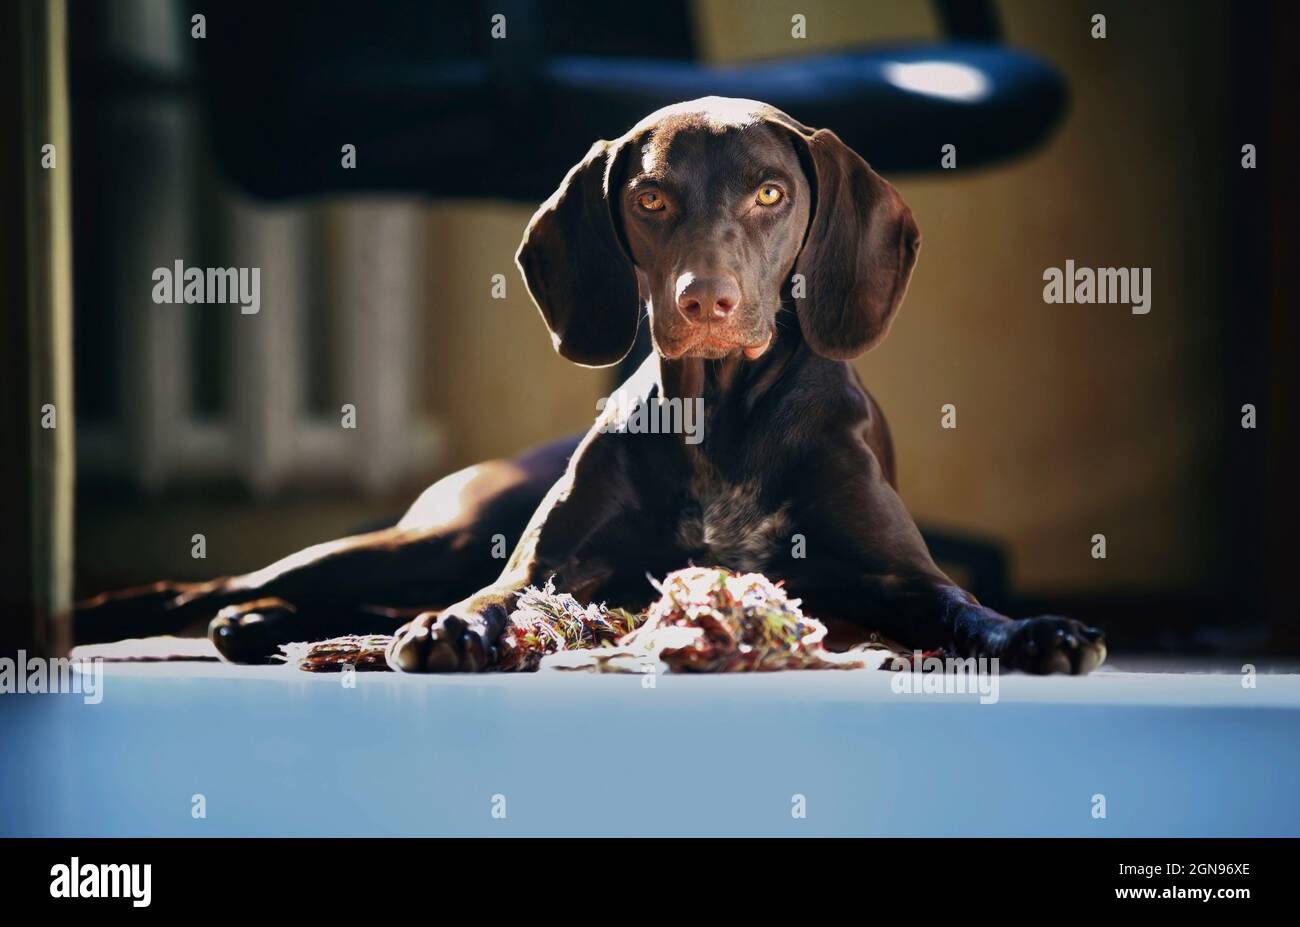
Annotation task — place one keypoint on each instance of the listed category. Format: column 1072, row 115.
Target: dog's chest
column 726, row 523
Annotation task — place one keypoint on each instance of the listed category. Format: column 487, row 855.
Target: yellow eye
column 650, row 201
column 769, row 195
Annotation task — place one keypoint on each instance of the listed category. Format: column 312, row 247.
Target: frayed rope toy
column 706, row 620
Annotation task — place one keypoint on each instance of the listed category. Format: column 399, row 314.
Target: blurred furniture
column 173, row 395
column 37, row 399
column 435, row 105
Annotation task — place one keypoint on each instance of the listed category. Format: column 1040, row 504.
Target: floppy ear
column 858, row 254
column 576, row 268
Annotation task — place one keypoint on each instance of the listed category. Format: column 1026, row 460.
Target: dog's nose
column 704, row 299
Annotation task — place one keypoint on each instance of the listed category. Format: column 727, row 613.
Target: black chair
column 436, row 106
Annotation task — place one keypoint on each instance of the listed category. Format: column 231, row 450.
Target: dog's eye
column 650, row 201
column 769, row 195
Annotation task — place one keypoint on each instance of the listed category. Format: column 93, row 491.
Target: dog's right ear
column 576, row 267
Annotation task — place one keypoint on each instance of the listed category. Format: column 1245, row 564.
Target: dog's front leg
column 878, row 574
column 568, row 539
column 927, row 612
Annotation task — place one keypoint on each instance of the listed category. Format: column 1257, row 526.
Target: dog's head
column 712, row 212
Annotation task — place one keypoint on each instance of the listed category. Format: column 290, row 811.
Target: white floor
column 277, row 751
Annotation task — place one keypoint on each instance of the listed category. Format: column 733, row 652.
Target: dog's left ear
column 576, row 268
column 859, row 251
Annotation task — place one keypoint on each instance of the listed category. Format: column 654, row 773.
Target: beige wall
column 1077, row 419
column 1072, row 420
column 492, row 374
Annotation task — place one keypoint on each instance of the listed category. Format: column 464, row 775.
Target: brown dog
column 767, row 255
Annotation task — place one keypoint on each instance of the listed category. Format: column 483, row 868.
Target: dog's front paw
column 453, row 641
column 1050, row 644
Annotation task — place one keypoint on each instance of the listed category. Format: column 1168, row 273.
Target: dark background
column 1072, row 420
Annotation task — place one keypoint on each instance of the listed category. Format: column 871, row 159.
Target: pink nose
column 705, row 299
